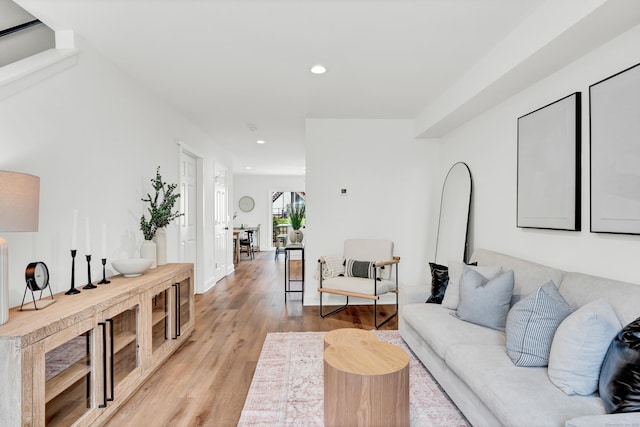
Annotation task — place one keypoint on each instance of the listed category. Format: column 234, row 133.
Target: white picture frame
column 549, row 166
column 614, row 110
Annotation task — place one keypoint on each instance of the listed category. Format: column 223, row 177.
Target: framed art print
column 614, row 110
column 549, row 166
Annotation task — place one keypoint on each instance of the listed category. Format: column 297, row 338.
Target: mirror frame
column 456, row 194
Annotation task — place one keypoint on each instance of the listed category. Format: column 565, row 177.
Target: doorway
column 281, row 204
column 221, row 225
column 191, row 200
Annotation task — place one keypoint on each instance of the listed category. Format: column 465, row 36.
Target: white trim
column 19, row 75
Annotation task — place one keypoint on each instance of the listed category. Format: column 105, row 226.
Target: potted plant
column 296, row 217
column 160, row 215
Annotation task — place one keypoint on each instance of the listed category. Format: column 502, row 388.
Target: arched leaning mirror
column 451, row 241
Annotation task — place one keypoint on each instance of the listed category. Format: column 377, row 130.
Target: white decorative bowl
column 131, row 267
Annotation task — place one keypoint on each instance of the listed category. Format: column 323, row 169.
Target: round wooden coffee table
column 366, row 383
column 348, row 335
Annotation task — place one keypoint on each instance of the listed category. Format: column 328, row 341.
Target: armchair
column 366, row 270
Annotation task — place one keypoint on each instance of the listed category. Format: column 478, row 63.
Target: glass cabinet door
column 159, row 320
column 183, row 304
column 68, row 385
column 124, row 345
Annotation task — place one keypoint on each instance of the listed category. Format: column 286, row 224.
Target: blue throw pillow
column 485, row 302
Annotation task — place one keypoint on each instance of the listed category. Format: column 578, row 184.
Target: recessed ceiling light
column 248, row 168
column 260, row 141
column 318, row 69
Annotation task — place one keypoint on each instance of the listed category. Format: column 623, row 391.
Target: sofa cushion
column 579, row 289
column 452, row 294
column 579, row 346
column 440, row 330
column 485, row 302
column 620, row 374
column 516, row 396
column 531, row 324
column 439, row 282
column 358, row 285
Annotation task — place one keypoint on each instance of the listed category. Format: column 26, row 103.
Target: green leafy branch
column 160, row 207
column 296, row 216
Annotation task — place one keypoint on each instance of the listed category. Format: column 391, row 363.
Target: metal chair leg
column 334, row 311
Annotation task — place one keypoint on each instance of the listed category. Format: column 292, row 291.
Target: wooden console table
column 77, row 361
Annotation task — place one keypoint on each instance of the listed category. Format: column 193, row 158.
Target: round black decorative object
column 37, row 276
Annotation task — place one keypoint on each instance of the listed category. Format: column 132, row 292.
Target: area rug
column 287, row 388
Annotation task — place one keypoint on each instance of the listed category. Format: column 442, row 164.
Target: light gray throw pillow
column 452, row 294
column 485, row 302
column 579, row 346
column 531, row 324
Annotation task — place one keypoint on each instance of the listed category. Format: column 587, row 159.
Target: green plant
column 160, row 208
column 296, row 216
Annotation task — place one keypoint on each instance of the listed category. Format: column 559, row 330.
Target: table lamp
column 19, row 202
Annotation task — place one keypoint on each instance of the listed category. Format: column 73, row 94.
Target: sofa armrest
column 413, row 295
column 630, row 419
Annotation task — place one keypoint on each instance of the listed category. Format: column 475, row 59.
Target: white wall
column 94, row 137
column 260, row 188
column 489, row 146
column 390, row 179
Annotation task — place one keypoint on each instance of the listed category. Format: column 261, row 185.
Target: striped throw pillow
column 356, row 268
column 532, row 323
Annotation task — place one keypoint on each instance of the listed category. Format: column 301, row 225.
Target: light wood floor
column 205, row 382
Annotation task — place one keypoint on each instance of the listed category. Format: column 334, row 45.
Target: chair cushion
column 358, row 285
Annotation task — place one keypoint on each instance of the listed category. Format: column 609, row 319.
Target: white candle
column 88, row 227
column 104, row 241
column 74, row 230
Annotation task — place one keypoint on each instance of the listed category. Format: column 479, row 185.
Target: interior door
column 221, row 225
column 188, row 185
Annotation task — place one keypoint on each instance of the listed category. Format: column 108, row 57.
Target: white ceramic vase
column 161, row 246
column 148, row 250
column 295, row 237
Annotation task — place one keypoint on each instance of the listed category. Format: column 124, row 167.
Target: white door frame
column 198, row 270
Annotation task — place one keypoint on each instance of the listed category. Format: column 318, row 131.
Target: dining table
column 236, row 238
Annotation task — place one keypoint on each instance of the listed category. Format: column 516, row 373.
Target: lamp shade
column 19, row 201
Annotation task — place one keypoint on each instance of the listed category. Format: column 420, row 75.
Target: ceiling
column 239, row 69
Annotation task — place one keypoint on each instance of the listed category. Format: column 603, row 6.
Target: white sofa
column 471, row 364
